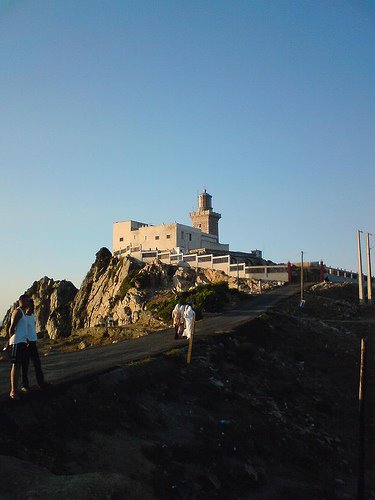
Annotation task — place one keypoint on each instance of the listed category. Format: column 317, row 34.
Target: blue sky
column 112, row 110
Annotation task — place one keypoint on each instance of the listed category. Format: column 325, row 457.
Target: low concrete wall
column 218, row 263
column 241, row 270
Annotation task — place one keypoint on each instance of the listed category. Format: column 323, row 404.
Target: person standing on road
column 31, row 351
column 176, row 319
column 17, row 342
column 189, row 316
column 182, row 321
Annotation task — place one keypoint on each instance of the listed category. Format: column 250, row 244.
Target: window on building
column 199, row 225
column 182, row 234
column 157, row 237
column 145, row 238
column 121, row 239
column 168, row 236
column 189, row 236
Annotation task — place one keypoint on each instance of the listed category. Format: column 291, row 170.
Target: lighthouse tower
column 205, row 218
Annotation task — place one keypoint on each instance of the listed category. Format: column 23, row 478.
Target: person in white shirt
column 17, row 342
column 31, row 351
column 182, row 321
column 176, row 319
column 189, row 316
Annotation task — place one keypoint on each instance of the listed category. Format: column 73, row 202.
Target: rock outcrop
column 115, row 292
column 184, row 278
column 109, row 293
column 53, row 300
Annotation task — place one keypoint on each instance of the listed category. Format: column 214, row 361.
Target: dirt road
column 62, row 367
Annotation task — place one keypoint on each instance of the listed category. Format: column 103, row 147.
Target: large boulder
column 52, row 301
column 155, row 275
column 184, row 279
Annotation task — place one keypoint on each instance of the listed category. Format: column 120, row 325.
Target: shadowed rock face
column 96, row 274
column 107, row 290
column 52, row 301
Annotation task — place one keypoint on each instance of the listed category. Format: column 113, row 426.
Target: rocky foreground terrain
column 265, row 412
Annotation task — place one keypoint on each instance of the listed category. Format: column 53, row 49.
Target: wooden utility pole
column 302, row 283
column 238, row 277
column 369, row 279
column 361, row 424
column 360, row 274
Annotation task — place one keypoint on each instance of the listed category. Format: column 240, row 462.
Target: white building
column 131, row 236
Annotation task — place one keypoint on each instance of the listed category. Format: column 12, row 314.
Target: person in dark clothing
column 31, row 351
column 17, row 341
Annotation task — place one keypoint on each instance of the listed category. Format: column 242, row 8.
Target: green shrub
column 164, row 309
column 209, row 298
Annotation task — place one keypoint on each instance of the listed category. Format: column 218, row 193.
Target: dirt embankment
column 267, row 412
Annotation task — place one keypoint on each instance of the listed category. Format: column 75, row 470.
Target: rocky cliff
column 115, row 292
column 53, row 311
column 107, row 291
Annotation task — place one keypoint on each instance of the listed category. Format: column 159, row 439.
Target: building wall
column 161, row 237
column 210, row 242
column 122, row 234
column 188, row 238
column 218, row 263
column 142, row 235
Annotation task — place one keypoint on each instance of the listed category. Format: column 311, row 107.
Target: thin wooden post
column 361, row 424
column 190, row 348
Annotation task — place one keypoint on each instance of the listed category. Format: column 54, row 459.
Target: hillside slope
column 266, row 412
